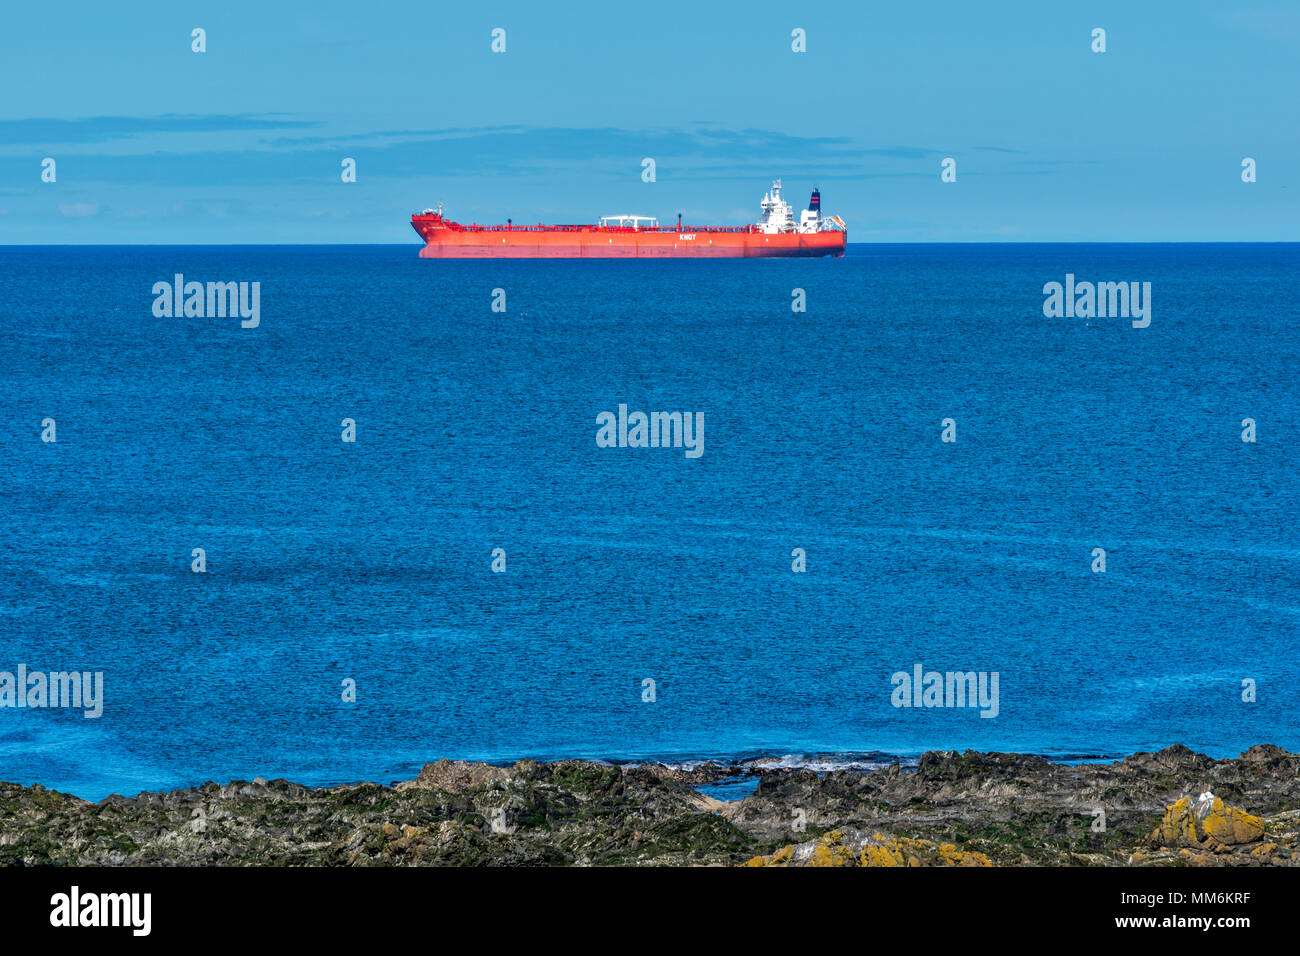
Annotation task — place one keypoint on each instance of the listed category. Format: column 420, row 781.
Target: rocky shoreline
column 1174, row 807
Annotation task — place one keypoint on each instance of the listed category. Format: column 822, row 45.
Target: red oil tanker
column 777, row 233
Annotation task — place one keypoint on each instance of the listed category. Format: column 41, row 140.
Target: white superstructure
column 778, row 215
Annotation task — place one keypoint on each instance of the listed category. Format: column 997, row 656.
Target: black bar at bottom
column 309, row 906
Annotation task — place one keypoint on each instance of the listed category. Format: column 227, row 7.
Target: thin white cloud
column 79, row 210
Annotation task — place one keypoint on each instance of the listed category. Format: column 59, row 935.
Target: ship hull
column 597, row 243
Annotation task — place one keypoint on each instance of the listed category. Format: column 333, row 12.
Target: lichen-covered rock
column 1230, row 826
column 1206, row 822
column 849, row 848
column 829, row 849
column 1178, row 826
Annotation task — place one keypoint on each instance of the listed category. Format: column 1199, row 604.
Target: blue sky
column 243, row 143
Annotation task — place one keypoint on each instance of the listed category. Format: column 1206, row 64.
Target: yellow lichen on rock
column 1205, row 823
column 952, row 856
column 1264, row 851
column 780, row 858
column 841, row 848
column 881, row 850
column 1178, row 827
column 1231, row 826
column 831, row 851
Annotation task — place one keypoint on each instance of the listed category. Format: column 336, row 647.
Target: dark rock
column 954, row 809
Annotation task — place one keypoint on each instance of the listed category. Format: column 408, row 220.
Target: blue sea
column 476, row 430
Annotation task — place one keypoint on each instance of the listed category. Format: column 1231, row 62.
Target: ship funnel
column 815, row 202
